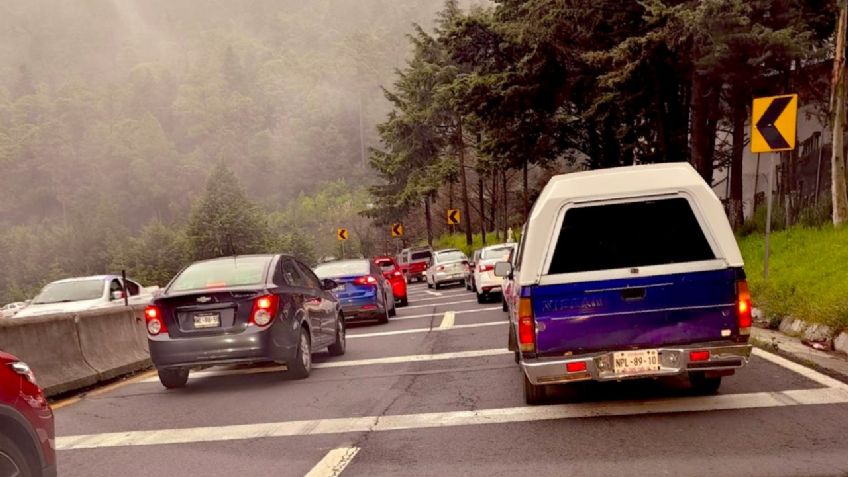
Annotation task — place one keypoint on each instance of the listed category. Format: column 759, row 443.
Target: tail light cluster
column 486, row 268
column 743, row 308
column 155, row 322
column 365, row 280
column 526, row 326
column 264, row 310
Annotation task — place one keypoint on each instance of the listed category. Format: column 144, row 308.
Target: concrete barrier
column 51, row 346
column 109, row 342
column 72, row 351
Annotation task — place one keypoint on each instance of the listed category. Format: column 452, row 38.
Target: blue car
column 363, row 292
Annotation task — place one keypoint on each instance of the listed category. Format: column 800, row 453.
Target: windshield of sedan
column 225, row 272
column 343, row 269
column 65, row 292
column 385, row 265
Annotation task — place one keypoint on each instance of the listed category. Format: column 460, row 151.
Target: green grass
column 457, row 240
column 808, row 274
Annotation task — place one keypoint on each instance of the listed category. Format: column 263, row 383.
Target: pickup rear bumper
column 674, row 360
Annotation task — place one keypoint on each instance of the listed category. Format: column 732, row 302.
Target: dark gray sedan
column 245, row 309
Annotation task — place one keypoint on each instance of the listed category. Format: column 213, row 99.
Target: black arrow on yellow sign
column 342, row 234
column 397, row 230
column 766, row 125
column 453, row 216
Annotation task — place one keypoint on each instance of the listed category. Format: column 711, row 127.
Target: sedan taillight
column 155, row 322
column 264, row 310
column 366, row 280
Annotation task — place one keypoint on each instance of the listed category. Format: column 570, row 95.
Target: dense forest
column 548, row 86
column 113, row 114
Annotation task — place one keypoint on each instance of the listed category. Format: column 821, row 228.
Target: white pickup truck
column 85, row 293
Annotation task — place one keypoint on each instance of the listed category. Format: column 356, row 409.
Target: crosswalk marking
column 798, row 397
column 334, row 462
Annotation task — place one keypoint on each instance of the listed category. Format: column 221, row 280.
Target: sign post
column 774, row 122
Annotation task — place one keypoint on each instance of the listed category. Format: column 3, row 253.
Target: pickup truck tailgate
column 633, row 313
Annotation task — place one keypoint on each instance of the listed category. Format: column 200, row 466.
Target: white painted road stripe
column 760, row 400
column 432, row 293
column 439, row 304
column 447, row 320
column 425, row 330
column 430, row 315
column 415, row 358
column 808, row 373
column 334, row 462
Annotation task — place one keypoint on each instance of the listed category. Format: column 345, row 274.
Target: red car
column 26, row 423
column 394, row 275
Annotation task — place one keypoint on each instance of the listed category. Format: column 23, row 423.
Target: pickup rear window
column 627, row 235
column 421, row 256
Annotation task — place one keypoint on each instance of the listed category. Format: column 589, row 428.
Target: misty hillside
column 113, row 114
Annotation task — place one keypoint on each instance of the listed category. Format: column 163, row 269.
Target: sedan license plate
column 340, row 288
column 628, row 363
column 207, row 320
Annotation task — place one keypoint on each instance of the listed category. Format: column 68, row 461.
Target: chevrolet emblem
column 204, row 299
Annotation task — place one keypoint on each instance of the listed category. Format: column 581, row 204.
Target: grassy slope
column 808, row 274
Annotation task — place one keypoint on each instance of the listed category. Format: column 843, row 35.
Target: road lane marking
column 726, row 402
column 804, row 371
column 424, row 330
column 334, row 462
column 440, row 298
column 447, row 320
column 415, row 358
column 430, row 315
column 143, row 377
column 440, row 304
column 432, row 293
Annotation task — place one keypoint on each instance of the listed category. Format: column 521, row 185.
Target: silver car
column 447, row 266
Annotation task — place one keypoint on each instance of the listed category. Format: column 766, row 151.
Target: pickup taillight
column 486, row 268
column 743, row 308
column 526, row 326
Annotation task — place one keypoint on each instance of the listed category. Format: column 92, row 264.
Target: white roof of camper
column 623, row 183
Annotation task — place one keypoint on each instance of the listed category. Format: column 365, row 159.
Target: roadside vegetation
column 808, row 276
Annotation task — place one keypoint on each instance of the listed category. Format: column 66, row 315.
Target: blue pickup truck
column 624, row 273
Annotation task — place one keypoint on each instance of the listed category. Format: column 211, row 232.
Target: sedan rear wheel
column 302, row 363
column 173, row 378
column 338, row 348
column 12, row 459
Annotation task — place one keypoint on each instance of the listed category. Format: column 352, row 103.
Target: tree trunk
column 482, row 207
column 505, row 204
column 837, row 108
column 466, row 209
column 740, row 115
column 495, row 228
column 526, row 191
column 702, row 136
column 429, row 220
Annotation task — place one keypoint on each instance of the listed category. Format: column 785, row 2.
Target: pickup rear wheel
column 173, row 378
column 533, row 393
column 702, row 384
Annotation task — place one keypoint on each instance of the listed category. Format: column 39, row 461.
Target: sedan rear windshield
column 421, row 256
column 628, row 235
column 450, row 256
column 496, row 253
column 64, row 292
column 225, row 272
column 343, row 269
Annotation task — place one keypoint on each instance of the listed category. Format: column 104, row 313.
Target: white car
column 85, row 293
column 446, row 266
column 9, row 310
column 486, row 284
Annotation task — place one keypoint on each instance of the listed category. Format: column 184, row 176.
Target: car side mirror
column 327, row 284
column 117, row 295
column 503, row 269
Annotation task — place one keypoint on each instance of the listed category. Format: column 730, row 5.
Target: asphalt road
column 436, row 393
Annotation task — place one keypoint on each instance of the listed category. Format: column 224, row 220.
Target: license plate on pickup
column 207, row 320
column 629, row 363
